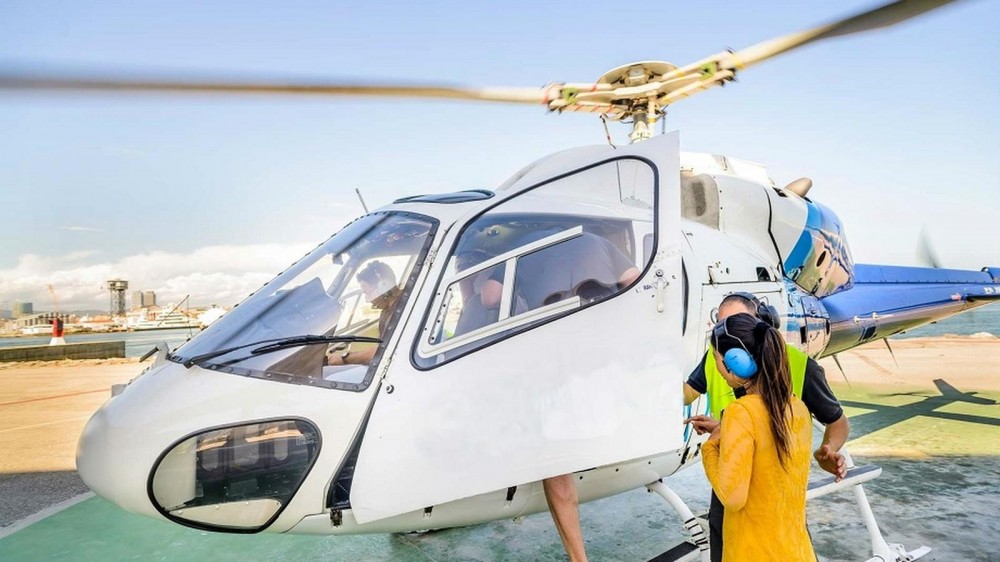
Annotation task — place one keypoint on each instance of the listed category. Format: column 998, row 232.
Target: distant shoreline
column 982, row 338
column 99, row 332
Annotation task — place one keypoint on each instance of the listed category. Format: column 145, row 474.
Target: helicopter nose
column 107, row 466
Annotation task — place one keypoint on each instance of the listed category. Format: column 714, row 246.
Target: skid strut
column 856, row 475
column 697, row 548
column 699, row 534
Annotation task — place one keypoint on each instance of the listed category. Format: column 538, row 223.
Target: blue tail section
column 886, row 300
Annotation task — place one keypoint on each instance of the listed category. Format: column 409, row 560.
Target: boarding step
column 855, row 475
column 686, row 550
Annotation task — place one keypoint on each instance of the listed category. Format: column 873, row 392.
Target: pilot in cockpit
column 378, row 284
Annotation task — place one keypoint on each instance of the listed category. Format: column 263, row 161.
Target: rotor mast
column 642, row 122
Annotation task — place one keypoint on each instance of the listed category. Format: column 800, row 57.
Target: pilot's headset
column 736, row 355
column 764, row 311
column 379, row 275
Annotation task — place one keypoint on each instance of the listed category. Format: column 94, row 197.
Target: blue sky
column 211, row 196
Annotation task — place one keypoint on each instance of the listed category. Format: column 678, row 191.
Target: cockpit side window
column 327, row 319
column 547, row 252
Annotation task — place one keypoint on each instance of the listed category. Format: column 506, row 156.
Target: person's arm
column 822, row 404
column 728, row 457
column 690, row 394
column 696, row 384
column 628, row 276
column 828, row 454
column 362, row 357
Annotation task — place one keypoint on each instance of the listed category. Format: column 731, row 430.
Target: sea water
column 136, row 343
column 985, row 319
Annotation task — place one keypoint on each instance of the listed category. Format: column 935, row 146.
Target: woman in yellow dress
column 757, row 459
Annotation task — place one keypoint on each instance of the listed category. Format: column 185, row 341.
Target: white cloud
column 211, row 275
column 82, row 229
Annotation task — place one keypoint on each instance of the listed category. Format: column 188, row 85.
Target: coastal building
column 22, row 309
column 143, row 299
column 41, row 323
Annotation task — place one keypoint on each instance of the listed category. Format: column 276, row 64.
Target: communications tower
column 117, row 288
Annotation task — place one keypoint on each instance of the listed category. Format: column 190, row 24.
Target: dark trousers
column 715, row 513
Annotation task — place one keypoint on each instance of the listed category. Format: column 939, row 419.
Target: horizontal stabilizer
column 865, row 273
column 886, row 300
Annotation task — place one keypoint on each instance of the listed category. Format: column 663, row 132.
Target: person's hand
column 832, row 462
column 334, row 357
column 335, row 353
column 703, row 424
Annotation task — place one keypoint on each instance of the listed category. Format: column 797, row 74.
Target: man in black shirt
column 816, row 395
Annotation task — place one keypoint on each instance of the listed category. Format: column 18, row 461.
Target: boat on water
column 41, row 330
column 165, row 320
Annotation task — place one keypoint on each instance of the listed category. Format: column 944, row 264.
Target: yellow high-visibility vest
column 720, row 394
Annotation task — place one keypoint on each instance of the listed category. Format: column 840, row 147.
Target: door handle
column 661, row 284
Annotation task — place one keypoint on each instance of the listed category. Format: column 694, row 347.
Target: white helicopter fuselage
column 446, row 428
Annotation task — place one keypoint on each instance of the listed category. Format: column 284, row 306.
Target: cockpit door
column 581, row 386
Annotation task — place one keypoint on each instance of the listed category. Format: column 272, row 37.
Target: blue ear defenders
column 737, row 360
column 739, row 363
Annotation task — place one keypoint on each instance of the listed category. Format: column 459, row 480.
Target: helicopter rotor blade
column 720, row 68
column 883, row 16
column 110, row 83
column 629, row 90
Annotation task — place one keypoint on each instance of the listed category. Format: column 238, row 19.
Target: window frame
column 533, row 318
column 218, row 529
column 419, row 262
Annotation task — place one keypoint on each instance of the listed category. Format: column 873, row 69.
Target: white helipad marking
column 44, row 424
column 47, row 512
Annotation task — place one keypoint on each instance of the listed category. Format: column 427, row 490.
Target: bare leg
column 560, row 493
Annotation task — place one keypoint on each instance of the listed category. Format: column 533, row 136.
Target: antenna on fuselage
column 363, row 206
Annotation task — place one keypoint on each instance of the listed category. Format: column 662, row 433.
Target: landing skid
column 697, row 548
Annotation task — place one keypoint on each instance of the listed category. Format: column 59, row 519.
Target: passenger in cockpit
column 481, row 293
column 378, row 284
column 587, row 266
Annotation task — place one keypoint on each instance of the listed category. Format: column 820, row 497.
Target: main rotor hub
column 636, row 73
column 643, row 108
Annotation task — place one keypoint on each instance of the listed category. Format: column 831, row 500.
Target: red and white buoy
column 57, row 332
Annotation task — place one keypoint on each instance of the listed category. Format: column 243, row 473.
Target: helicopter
column 267, row 422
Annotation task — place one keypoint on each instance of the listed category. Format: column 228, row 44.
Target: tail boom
column 886, row 300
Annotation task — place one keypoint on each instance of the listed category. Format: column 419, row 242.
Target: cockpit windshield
column 325, row 320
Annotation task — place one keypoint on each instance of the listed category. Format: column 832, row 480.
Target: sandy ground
column 44, row 405
column 967, row 362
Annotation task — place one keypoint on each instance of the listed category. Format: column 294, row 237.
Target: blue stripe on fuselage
column 797, row 258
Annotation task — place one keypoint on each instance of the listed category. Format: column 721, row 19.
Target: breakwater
column 90, row 350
